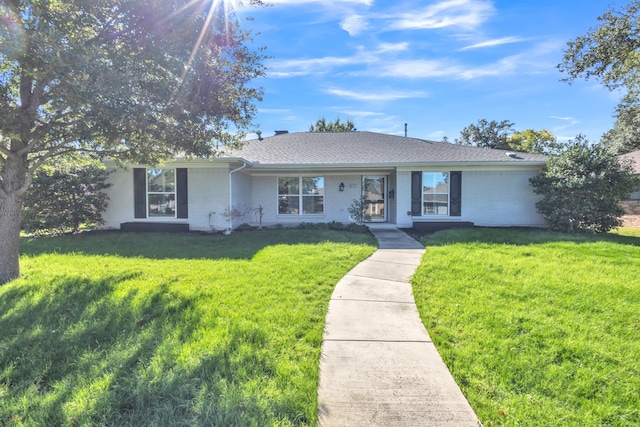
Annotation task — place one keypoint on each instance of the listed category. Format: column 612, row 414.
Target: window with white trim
column 161, row 193
column 435, row 193
column 300, row 195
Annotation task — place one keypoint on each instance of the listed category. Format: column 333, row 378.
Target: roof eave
column 258, row 165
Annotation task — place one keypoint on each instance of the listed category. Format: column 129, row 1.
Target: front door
column 375, row 188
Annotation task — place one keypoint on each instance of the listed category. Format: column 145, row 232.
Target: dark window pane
column 288, row 185
column 162, row 205
column 312, row 205
column 288, row 205
column 161, row 180
column 313, row 185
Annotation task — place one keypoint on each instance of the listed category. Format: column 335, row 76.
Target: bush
column 582, row 189
column 358, row 209
column 65, row 196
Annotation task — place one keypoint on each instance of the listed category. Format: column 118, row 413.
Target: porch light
column 341, row 188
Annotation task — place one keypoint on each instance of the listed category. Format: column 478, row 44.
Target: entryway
column 375, row 188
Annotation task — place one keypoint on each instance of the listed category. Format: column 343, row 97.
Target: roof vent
column 281, row 132
column 260, row 138
column 512, row 154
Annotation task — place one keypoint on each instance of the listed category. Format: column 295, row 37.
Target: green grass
column 538, row 328
column 169, row 329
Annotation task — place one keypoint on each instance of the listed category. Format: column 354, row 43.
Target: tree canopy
column 134, row 80
column 502, row 135
column 322, row 125
column 534, row 141
column 610, row 53
column 487, row 134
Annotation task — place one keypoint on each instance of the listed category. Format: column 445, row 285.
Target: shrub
column 582, row 189
column 335, row 225
column 358, row 209
column 65, row 196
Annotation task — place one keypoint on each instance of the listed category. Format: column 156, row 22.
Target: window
column 301, row 195
column 435, row 193
column 161, row 193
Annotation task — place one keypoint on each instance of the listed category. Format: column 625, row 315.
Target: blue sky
column 438, row 65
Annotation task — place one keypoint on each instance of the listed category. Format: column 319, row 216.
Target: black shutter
column 140, row 192
column 416, row 193
column 455, row 188
column 182, row 194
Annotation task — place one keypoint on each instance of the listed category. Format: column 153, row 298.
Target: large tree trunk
column 15, row 181
column 10, row 209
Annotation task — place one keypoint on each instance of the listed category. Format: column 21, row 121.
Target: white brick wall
column 506, row 198
column 265, row 193
column 489, row 198
column 208, row 194
column 208, row 198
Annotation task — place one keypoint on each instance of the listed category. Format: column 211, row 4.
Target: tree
column 65, row 195
column 534, row 141
column 610, row 53
column 134, row 80
column 487, row 134
column 582, row 188
column 335, row 126
column 625, row 135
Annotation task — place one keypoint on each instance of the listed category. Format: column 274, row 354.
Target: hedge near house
column 582, row 188
column 66, row 196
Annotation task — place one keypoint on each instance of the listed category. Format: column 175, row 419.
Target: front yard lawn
column 538, row 328
column 129, row 329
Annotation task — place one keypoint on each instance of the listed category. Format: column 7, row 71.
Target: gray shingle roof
column 368, row 149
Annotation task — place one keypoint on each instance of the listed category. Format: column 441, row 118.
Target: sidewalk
column 378, row 365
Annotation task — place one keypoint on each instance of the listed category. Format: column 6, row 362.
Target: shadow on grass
column 97, row 352
column 519, row 236
column 239, row 245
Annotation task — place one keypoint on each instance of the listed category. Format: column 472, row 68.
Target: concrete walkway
column 378, row 365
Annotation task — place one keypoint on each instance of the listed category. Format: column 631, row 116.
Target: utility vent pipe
column 405, row 130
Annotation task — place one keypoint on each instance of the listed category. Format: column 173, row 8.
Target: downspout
column 244, row 165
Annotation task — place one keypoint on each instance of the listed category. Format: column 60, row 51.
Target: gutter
column 394, row 165
column 231, row 172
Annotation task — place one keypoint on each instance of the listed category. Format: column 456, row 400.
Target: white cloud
column 392, row 47
column 323, row 65
column 417, row 68
column 493, row 42
column 568, row 123
column 377, row 95
column 354, row 24
column 565, row 118
column 447, row 13
column 301, row 67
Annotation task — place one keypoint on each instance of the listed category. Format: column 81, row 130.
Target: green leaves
column 535, row 141
column 134, row 80
column 611, row 54
column 487, row 134
column 137, row 77
column 322, row 125
column 582, row 189
column 65, row 196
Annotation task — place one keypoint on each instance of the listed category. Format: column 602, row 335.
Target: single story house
column 299, row 177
